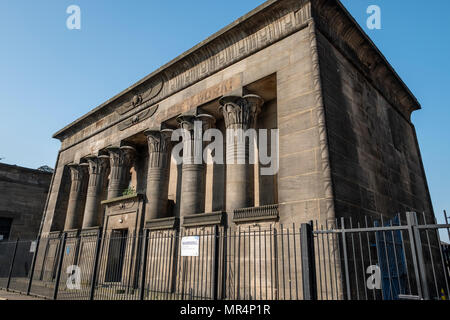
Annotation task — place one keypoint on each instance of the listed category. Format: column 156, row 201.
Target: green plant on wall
column 129, row 191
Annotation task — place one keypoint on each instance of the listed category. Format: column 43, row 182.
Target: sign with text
column 189, row 246
column 33, row 246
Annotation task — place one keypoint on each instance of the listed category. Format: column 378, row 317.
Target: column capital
column 159, row 140
column 77, row 171
column 240, row 112
column 187, row 121
column 97, row 164
column 121, row 156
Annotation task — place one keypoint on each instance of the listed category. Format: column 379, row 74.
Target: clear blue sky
column 50, row 76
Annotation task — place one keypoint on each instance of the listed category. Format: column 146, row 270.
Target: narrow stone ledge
column 123, row 198
column 54, row 235
column 162, row 223
column 72, row 233
column 90, row 232
column 269, row 212
column 203, row 219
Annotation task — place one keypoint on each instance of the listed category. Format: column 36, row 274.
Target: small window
column 5, row 228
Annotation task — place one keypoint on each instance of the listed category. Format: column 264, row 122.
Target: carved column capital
column 159, row 140
column 98, row 165
column 121, row 156
column 121, row 161
column 240, row 112
column 77, row 172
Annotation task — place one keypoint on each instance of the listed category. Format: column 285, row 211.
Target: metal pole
column 416, row 249
column 96, row 262
column 344, row 247
column 216, row 263
column 33, row 265
column 143, row 265
column 12, row 264
column 308, row 267
column 60, row 261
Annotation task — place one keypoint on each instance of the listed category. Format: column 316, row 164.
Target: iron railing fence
column 372, row 259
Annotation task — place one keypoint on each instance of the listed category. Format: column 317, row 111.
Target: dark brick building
column 23, row 193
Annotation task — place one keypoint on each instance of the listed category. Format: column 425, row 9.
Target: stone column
column 193, row 182
column 121, row 161
column 159, row 153
column 239, row 113
column 78, row 174
column 98, row 168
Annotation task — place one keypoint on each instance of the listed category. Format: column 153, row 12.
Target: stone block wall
column 23, row 193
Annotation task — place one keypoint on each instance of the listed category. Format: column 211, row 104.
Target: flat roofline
column 172, row 62
column 13, row 166
column 219, row 34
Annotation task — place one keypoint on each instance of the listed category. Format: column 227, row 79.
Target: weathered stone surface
column 23, row 193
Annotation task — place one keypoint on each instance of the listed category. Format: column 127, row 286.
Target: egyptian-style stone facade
column 23, row 193
column 347, row 146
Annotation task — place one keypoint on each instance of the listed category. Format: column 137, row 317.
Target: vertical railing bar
column 344, row 246
column 370, row 253
column 442, row 257
column 394, row 244
column 265, row 262
column 275, row 251
column 260, row 265
column 319, row 274
column 282, row 262
column 289, row 262
column 404, row 255
column 254, row 263
column 33, row 265
column 295, row 261
column 12, row 264
column 329, row 260
column 431, row 256
column 95, row 266
column 324, row 255
column 354, row 260
column 387, row 258
column 59, row 267
column 238, row 263
column 412, row 221
column 362, row 260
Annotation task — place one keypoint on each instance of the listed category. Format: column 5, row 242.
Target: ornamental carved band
column 98, row 169
column 77, row 175
column 241, row 112
column 121, row 161
column 159, row 147
column 193, row 127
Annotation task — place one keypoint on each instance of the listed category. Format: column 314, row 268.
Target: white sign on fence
column 189, row 246
column 33, row 246
column 1, row 237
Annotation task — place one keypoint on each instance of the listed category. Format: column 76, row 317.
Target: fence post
column 344, row 247
column 33, row 265
column 96, row 259
column 308, row 265
column 216, row 263
column 59, row 266
column 143, row 265
column 417, row 253
column 12, row 264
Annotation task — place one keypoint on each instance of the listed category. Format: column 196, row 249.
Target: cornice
column 342, row 30
column 270, row 22
column 267, row 24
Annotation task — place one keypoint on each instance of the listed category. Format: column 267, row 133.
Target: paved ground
column 5, row 295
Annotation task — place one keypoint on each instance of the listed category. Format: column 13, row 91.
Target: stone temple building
column 346, row 144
